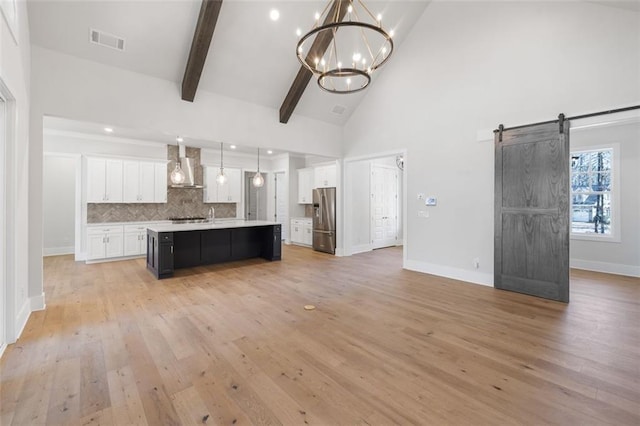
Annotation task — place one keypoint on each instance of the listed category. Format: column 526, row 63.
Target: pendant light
column 177, row 175
column 258, row 180
column 221, row 178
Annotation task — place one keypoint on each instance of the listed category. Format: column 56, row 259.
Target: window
column 592, row 193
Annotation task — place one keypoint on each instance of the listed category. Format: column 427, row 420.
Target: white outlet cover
column 430, row 201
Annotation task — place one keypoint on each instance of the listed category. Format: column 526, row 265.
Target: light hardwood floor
column 384, row 346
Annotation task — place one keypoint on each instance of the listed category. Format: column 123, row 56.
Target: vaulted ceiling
column 250, row 58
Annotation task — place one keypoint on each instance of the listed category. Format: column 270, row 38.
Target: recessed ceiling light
column 232, row 147
column 274, row 14
column 108, row 129
column 298, row 32
column 179, row 139
column 269, row 152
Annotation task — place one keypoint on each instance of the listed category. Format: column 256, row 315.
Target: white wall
column 357, row 186
column 21, row 297
column 617, row 257
column 84, row 144
column 59, row 198
column 470, row 66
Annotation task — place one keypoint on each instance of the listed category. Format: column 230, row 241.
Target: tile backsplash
column 181, row 202
column 308, row 210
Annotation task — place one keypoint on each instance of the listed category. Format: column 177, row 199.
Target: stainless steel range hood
column 187, row 166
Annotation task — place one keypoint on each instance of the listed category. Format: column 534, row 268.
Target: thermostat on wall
column 430, row 201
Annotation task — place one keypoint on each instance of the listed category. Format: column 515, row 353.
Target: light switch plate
column 423, row 213
column 430, row 201
column 420, row 196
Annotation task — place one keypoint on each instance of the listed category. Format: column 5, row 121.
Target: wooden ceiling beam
column 318, row 49
column 209, row 11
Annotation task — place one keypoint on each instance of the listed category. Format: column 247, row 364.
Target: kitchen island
column 175, row 246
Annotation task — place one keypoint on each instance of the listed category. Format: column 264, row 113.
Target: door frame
column 284, row 175
column 8, row 331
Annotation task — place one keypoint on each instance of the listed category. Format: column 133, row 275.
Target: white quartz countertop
column 217, row 224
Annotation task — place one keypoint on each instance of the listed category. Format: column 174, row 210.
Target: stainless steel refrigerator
column 324, row 220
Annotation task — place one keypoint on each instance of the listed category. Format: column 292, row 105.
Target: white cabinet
column 307, row 232
column 135, row 240
column 160, row 179
column 104, row 180
column 325, row 176
column 230, row 192
column 301, row 231
column 104, row 242
column 305, row 185
column 140, row 182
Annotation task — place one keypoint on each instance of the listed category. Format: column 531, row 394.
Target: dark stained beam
column 209, row 11
column 317, row 50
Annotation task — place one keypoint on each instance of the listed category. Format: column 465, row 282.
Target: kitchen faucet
column 212, row 216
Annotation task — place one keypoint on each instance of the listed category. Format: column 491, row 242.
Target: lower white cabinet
column 135, row 240
column 302, row 231
column 104, row 242
column 109, row 241
column 307, row 234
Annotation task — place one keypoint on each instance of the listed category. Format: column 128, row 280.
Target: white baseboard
column 57, row 251
column 362, row 248
column 340, row 252
column 609, row 268
column 114, row 259
column 481, row 278
column 3, row 346
column 37, row 303
column 22, row 318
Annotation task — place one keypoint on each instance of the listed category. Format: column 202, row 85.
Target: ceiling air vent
column 106, row 39
column 339, row 109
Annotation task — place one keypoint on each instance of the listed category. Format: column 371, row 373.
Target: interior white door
column 281, row 201
column 384, row 206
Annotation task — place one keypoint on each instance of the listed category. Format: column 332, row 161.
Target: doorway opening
column 375, row 202
column 384, row 206
column 255, row 199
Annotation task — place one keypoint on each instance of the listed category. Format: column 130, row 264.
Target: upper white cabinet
column 111, row 180
column 104, row 180
column 325, row 176
column 305, row 185
column 230, row 192
column 160, row 193
column 144, row 182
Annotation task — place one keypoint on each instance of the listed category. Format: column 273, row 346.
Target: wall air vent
column 106, row 39
column 339, row 109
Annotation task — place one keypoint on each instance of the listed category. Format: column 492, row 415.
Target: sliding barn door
column 532, row 210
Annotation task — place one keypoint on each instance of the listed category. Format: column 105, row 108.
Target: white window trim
column 614, row 236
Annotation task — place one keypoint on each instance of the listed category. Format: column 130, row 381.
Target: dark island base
column 168, row 251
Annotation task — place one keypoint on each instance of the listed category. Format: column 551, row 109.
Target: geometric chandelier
column 345, row 46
